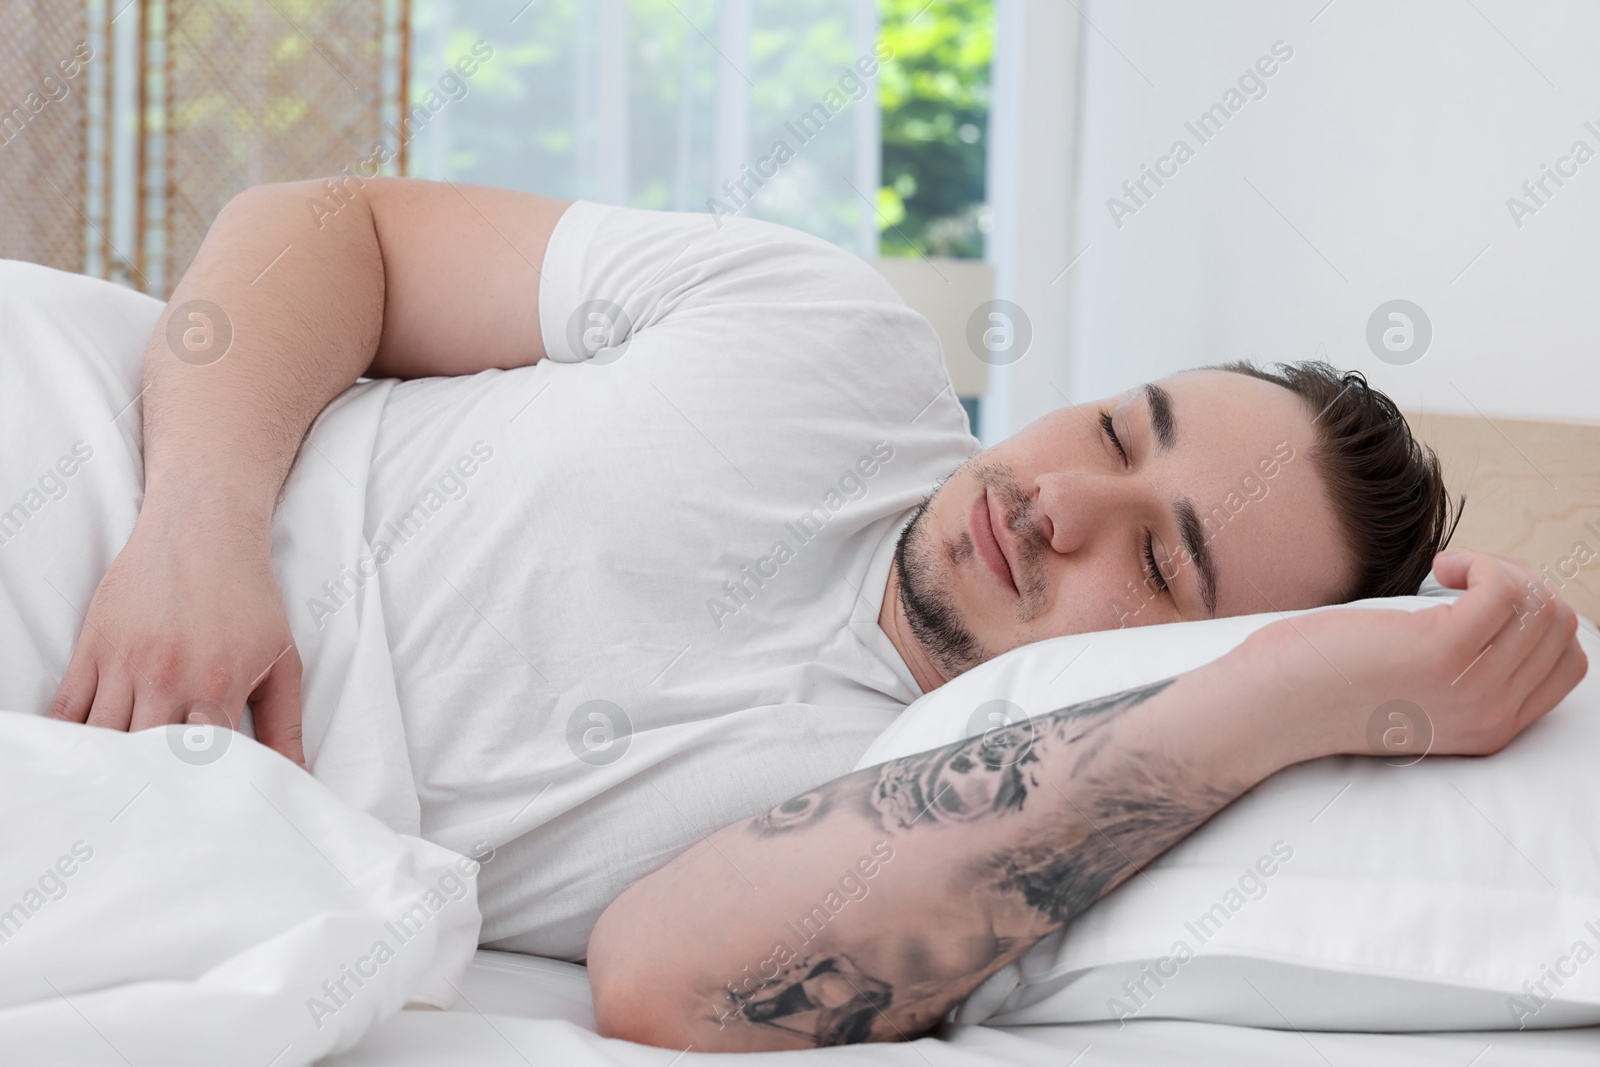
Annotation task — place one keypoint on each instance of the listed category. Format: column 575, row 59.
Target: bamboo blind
column 251, row 91
column 230, row 93
column 43, row 131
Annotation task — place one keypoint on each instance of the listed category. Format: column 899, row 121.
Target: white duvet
column 234, row 911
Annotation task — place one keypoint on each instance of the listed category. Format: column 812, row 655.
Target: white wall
column 1390, row 141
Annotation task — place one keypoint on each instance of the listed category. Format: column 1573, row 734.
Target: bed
column 517, row 1010
column 81, row 984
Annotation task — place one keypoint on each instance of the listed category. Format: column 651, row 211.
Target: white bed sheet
column 517, row 1010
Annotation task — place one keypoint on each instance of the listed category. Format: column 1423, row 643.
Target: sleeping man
column 665, row 520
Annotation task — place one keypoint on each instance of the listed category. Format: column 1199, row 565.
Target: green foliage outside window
column 935, row 103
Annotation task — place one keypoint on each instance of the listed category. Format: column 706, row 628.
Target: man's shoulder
column 752, row 256
column 760, row 329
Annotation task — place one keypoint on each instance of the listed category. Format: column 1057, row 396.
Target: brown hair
column 1384, row 484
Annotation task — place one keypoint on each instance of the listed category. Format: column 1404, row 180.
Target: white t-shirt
column 632, row 600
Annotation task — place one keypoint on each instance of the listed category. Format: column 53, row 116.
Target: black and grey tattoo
column 990, row 774
column 1140, row 813
column 830, row 1001
column 1130, row 806
column 793, row 813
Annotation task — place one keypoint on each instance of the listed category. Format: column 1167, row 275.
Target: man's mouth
column 986, row 538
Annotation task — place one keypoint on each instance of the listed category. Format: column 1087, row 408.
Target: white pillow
column 187, row 896
column 1343, row 894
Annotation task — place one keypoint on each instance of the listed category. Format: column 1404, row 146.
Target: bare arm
column 405, row 278
column 959, row 859
column 868, row 908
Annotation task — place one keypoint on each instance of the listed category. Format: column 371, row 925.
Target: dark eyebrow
column 1160, row 402
column 1193, row 536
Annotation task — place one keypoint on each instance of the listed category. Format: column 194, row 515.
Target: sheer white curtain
column 670, row 104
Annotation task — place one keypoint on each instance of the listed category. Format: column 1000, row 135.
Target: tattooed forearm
column 985, row 775
column 1115, row 702
column 995, row 841
column 994, row 773
column 834, row 997
column 977, row 778
column 1132, row 818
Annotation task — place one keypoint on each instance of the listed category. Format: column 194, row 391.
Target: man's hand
column 1481, row 669
column 186, row 625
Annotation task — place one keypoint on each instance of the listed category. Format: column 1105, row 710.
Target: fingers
column 1451, row 568
column 1553, row 641
column 1492, row 598
column 121, row 697
column 158, row 693
column 113, row 702
column 276, row 707
column 1526, row 646
column 75, row 695
column 1566, row 673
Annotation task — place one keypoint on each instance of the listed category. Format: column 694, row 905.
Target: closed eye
column 1109, row 428
column 1150, row 560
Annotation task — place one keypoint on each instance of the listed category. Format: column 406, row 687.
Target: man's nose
column 1072, row 505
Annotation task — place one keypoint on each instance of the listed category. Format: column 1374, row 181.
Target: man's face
column 1210, row 507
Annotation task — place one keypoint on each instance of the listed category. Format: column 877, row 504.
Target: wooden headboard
column 1533, row 491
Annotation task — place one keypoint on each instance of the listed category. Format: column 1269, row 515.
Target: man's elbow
column 301, row 197
column 621, row 1008
column 632, row 999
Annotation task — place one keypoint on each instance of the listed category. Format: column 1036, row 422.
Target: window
column 935, row 103
column 750, row 107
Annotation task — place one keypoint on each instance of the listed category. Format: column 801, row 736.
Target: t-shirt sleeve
column 741, row 327
column 614, row 274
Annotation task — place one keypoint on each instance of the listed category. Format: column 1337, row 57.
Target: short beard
column 930, row 611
